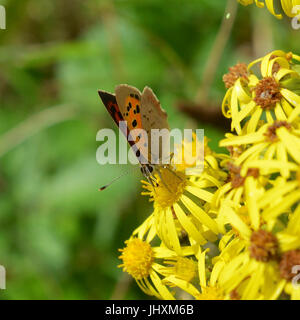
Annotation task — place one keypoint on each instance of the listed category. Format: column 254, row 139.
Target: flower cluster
column 233, row 231
column 289, row 7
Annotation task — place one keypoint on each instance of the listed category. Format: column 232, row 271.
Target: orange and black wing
column 110, row 102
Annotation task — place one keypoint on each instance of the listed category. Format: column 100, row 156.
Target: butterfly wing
column 153, row 117
column 110, row 102
column 129, row 101
column 141, row 111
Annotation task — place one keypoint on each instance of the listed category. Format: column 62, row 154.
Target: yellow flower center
column 288, row 260
column 264, row 246
column 271, row 130
column 182, row 268
column 239, row 71
column 267, row 93
column 137, row 258
column 211, row 293
column 170, row 186
column 236, row 179
column 235, row 151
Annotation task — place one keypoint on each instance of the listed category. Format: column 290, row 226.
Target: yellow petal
column 294, row 100
column 287, row 7
column 251, row 201
column 235, row 220
column 252, row 289
column 226, row 103
column 172, row 233
column 234, row 112
column 252, row 124
column 202, row 269
column 270, row 6
column 291, row 143
column 188, row 226
column 200, row 193
column 238, row 140
column 281, row 207
column 276, row 193
column 280, row 115
column 216, row 272
column 161, row 288
column 252, row 152
column 199, row 214
column 184, row 285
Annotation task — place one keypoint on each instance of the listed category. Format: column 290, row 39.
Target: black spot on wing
column 134, row 123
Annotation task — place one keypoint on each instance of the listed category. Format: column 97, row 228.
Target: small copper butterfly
column 140, row 111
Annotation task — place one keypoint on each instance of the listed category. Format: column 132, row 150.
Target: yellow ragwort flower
column 274, row 95
column 141, row 261
column 253, row 273
column 274, row 147
column 182, row 203
column 279, row 199
column 262, row 269
column 208, row 287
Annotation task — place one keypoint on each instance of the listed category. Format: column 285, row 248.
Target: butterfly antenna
column 114, row 180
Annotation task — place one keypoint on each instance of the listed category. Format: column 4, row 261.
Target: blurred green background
column 59, row 236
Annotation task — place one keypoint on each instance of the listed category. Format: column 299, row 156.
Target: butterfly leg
column 151, row 182
column 147, row 172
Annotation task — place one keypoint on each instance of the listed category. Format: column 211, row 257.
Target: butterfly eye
column 150, row 169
